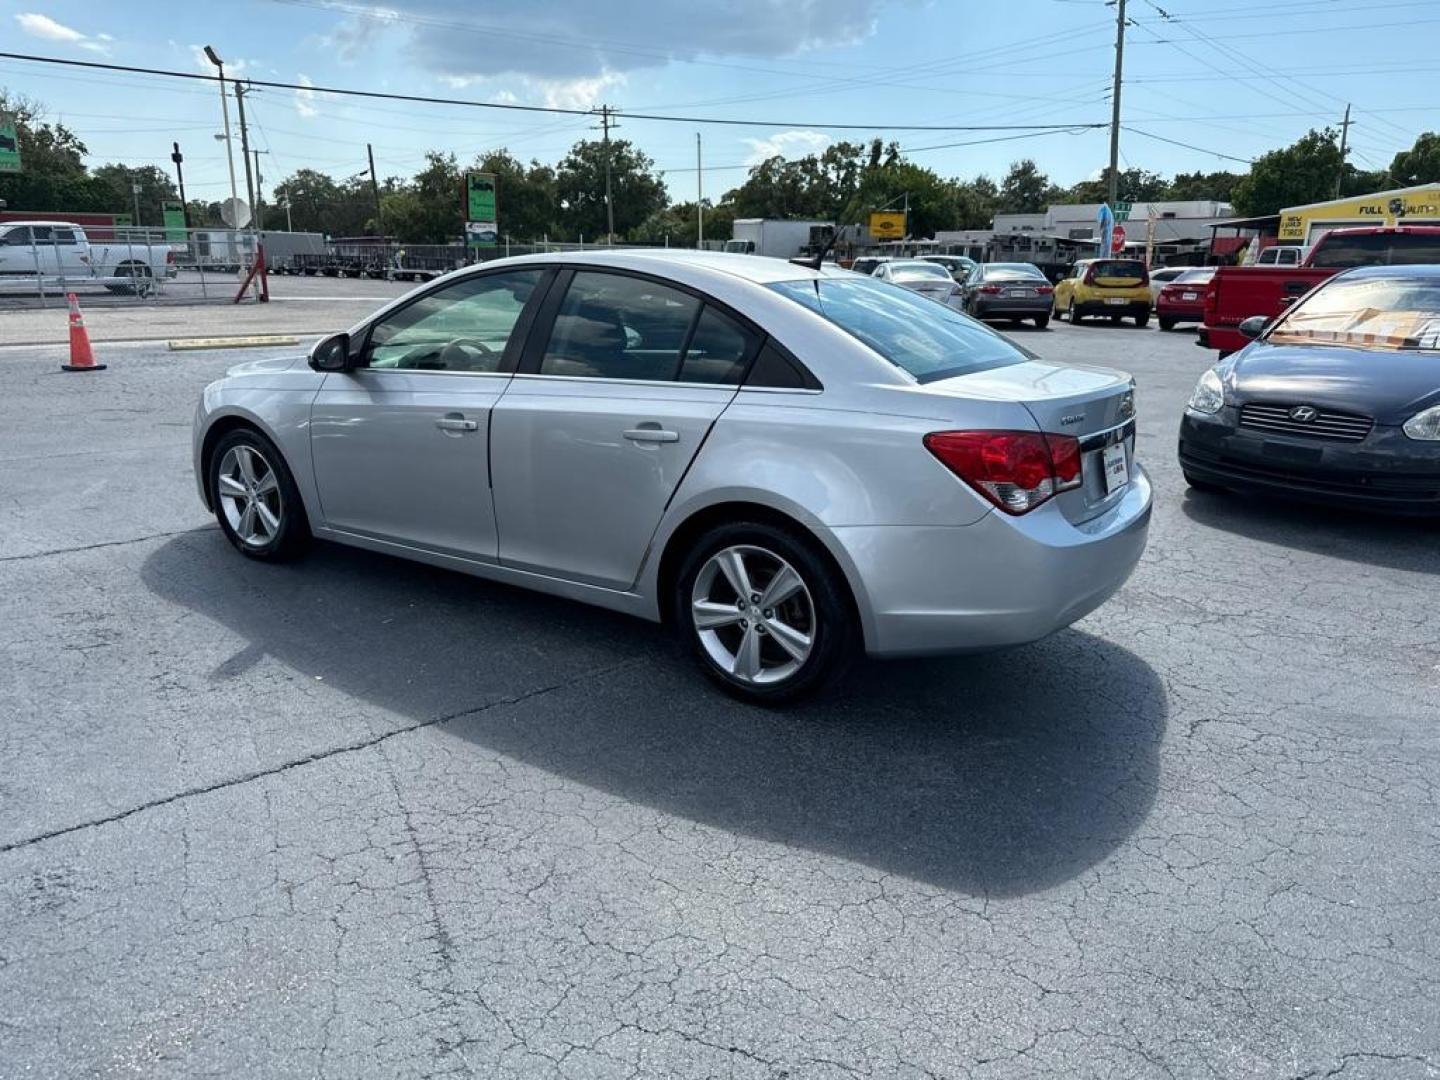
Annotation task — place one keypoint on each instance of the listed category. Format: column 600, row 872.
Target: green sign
column 481, row 229
column 173, row 212
column 9, row 145
column 1122, row 210
column 122, row 221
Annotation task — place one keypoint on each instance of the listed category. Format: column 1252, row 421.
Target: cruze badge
column 1073, row 418
column 1303, row 414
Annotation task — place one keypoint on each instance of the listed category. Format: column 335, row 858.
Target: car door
column 621, row 383
column 399, row 445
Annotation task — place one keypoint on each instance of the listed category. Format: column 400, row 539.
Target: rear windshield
column 1196, row 277
column 1377, row 313
column 926, row 339
column 1378, row 249
column 1117, row 268
column 1012, row 273
column 917, row 271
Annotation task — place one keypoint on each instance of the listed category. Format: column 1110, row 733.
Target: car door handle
column 457, row 423
column 652, row 434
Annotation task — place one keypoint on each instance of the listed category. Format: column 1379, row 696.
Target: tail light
column 169, row 256
column 1090, row 276
column 990, row 290
column 1015, row 470
column 1044, row 290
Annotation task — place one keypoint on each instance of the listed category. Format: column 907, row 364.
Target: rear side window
column 718, row 352
column 612, row 326
column 928, row 340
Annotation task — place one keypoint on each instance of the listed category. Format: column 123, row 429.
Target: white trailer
column 775, row 238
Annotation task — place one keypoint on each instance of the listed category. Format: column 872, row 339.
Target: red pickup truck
column 1238, row 292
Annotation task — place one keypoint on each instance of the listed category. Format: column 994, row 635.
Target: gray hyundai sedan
column 784, row 465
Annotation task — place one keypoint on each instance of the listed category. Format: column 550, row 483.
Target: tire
column 279, row 533
column 1141, row 321
column 1042, row 321
column 819, row 610
column 140, row 279
column 1075, row 316
column 1166, row 324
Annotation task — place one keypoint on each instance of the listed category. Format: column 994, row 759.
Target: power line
column 1187, row 146
column 550, row 109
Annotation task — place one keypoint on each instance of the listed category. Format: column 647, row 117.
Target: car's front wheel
column 764, row 614
column 255, row 498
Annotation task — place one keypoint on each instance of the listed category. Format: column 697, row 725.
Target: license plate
column 1020, row 292
column 1190, row 296
column 1117, row 470
column 1116, row 300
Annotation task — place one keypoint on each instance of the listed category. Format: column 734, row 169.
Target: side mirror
column 331, row 353
column 1253, row 327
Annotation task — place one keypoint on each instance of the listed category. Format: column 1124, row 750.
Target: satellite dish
column 235, row 212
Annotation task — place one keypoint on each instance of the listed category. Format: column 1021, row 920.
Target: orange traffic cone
column 81, row 357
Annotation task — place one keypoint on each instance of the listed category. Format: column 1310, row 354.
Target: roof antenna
column 818, row 260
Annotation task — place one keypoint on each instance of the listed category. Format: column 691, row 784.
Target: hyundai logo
column 1304, row 414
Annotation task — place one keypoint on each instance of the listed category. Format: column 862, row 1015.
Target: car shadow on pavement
column 994, row 775
column 1399, row 543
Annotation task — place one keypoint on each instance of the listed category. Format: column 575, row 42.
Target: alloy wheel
column 249, row 493
column 753, row 614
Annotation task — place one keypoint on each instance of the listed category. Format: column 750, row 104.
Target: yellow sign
column 1383, row 208
column 887, row 225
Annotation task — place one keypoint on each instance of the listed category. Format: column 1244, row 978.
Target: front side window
column 613, row 326
column 928, row 340
column 464, row 326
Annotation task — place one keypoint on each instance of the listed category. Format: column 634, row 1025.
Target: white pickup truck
column 57, row 256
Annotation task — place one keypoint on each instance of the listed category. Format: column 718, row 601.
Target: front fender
column 286, row 423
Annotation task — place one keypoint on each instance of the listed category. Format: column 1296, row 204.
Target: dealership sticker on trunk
column 1117, row 472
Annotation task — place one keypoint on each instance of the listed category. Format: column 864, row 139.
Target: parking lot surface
column 358, row 817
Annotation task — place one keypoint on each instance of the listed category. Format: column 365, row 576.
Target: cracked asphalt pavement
column 357, row 817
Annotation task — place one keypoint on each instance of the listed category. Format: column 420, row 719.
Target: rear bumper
column 1027, row 307
column 999, row 582
column 1129, row 309
column 1224, row 338
column 1181, row 312
column 1385, row 472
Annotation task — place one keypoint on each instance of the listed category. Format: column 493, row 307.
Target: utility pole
column 699, row 197
column 179, row 158
column 240, row 93
column 1344, row 138
column 1113, row 187
column 259, row 191
column 605, row 125
column 375, row 190
column 135, row 197
column 225, row 113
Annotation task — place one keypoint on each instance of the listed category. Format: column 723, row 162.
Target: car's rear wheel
column 1167, row 324
column 1042, row 321
column 1141, row 321
column 764, row 614
column 1075, row 316
column 255, row 498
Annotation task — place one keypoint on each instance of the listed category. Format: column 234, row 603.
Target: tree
column 1133, row 185
column 580, row 188
column 429, row 209
column 524, row 197
column 110, row 186
column 1303, row 172
column 1025, row 189
column 1215, row 186
column 319, row 204
column 1418, row 165
column 975, row 202
column 52, row 158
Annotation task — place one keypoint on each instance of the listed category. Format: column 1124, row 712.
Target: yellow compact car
column 1119, row 288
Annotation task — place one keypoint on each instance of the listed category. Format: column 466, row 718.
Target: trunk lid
column 1095, row 405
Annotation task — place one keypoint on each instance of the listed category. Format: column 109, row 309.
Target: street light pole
column 1112, row 188
column 225, row 113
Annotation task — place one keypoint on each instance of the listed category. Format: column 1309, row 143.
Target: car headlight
column 1208, row 397
column 1424, row 425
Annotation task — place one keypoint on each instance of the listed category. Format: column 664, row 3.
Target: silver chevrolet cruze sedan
column 785, row 465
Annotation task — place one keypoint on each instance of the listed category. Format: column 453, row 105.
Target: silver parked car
column 926, row 278
column 784, row 464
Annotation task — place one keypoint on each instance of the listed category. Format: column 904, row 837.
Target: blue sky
column 1225, row 76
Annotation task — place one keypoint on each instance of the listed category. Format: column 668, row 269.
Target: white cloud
column 581, row 93
column 42, row 26
column 787, row 144
column 305, row 99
